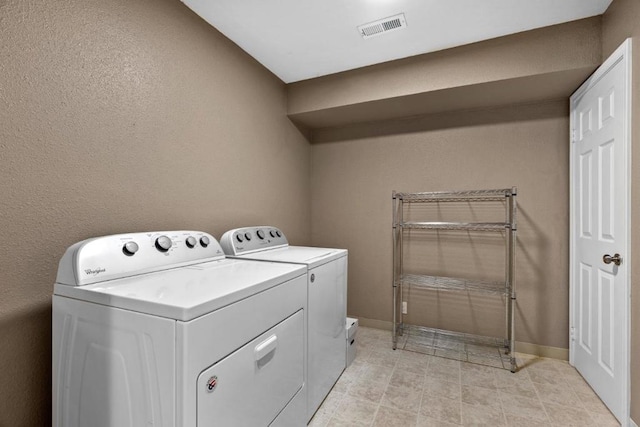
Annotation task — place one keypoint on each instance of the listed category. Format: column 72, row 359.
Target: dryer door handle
column 266, row 347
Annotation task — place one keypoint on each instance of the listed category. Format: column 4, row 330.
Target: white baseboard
column 521, row 347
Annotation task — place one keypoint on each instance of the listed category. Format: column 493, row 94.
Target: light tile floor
column 389, row 388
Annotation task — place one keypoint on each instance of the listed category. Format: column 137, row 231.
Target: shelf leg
column 394, row 331
column 508, row 271
column 512, row 274
column 395, row 324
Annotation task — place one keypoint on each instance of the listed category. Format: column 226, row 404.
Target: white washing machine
column 159, row 329
column 327, row 299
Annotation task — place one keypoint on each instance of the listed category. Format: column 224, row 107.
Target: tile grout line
column 424, row 391
column 544, row 408
column 425, row 376
column 375, row 415
column 424, row 380
column 388, row 383
column 504, row 414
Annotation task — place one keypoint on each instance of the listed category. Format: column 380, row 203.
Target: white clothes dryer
column 326, row 305
column 159, row 329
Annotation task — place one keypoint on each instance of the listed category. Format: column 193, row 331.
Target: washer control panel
column 122, row 255
column 251, row 239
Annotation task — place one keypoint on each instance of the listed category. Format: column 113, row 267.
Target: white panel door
column 600, row 232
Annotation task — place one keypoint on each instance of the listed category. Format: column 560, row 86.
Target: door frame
column 622, row 53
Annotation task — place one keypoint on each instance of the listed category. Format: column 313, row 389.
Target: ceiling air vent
column 382, row 26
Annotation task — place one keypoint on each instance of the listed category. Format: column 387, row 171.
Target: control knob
column 191, row 242
column 204, row 241
column 130, row 248
column 163, row 243
column 260, row 234
column 247, row 236
column 272, row 233
column 239, row 238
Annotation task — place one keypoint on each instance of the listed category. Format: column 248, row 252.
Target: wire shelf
column 467, row 347
column 455, row 196
column 471, row 348
column 454, row 284
column 470, row 226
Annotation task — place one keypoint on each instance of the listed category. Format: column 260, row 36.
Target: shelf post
column 507, row 272
column 395, row 285
column 512, row 273
column 400, row 272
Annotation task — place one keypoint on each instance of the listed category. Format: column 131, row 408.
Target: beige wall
column 557, row 48
column 355, row 170
column 545, row 63
column 119, row 116
column 620, row 21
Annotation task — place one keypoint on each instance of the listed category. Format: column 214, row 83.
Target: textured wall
column 355, row 170
column 620, row 21
column 573, row 45
column 124, row 115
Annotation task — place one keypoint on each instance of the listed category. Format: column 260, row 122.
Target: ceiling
column 299, row 40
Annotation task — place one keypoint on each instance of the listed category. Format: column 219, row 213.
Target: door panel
column 606, row 283
column 606, row 191
column 586, row 172
column 585, row 307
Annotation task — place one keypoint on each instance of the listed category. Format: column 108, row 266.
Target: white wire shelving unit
column 491, row 351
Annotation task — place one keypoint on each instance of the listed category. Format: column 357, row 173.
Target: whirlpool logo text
column 94, row 271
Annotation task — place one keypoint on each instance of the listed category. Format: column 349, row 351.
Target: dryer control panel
column 123, row 255
column 252, row 239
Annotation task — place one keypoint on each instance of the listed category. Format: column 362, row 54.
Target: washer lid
column 310, row 256
column 185, row 293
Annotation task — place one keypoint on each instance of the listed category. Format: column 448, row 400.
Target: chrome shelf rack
column 498, row 352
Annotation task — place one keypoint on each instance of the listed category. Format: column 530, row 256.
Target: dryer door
column 253, row 384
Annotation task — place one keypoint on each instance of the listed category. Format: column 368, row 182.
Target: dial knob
column 272, row 233
column 247, row 236
column 191, row 241
column 204, row 241
column 163, row 243
column 239, row 238
column 260, row 234
column 130, row 248
column 278, row 233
